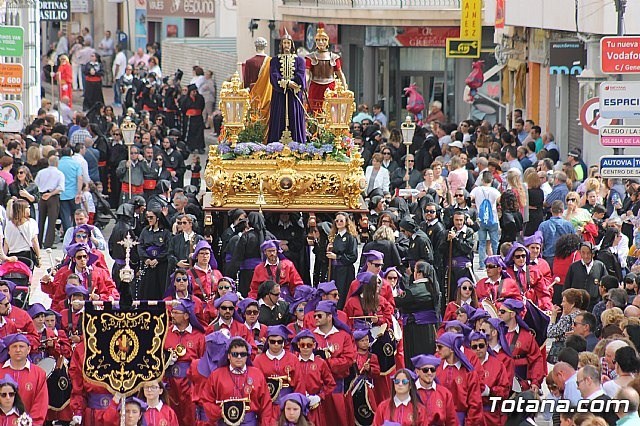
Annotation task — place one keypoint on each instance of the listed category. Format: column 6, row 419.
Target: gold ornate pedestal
column 287, row 183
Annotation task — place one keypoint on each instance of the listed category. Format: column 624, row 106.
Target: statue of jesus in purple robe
column 287, row 74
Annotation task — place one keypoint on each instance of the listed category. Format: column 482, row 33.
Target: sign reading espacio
column 620, row 99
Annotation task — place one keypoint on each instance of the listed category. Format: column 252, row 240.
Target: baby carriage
column 20, row 273
column 103, row 211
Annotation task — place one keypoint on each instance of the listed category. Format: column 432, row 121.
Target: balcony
column 373, row 12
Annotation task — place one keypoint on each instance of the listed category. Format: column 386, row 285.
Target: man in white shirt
column 78, row 155
column 62, row 47
column 106, row 49
column 118, row 69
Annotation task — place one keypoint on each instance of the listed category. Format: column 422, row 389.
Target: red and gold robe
column 32, row 387
column 314, row 377
column 464, row 386
column 402, row 414
column 438, row 404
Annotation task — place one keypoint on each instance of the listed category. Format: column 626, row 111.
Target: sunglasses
column 378, row 265
column 400, row 381
column 430, row 211
column 466, row 288
column 251, row 312
column 275, row 294
column 318, row 316
column 7, row 394
column 478, row 346
column 21, row 172
column 227, row 308
column 572, row 200
column 459, row 195
column 306, row 345
column 276, row 342
column 386, row 153
column 184, row 222
column 492, row 266
column 502, row 311
column 182, row 279
column 428, row 370
column 300, row 310
column 81, row 235
column 224, row 287
column 520, row 256
column 82, row 256
column 238, row 354
column 158, row 159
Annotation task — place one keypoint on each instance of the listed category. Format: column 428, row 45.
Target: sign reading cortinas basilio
column 124, row 349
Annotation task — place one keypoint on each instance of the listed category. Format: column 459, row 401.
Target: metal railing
column 374, row 4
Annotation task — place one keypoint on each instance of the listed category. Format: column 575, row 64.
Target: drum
column 385, row 346
column 48, row 364
column 490, row 307
column 59, row 386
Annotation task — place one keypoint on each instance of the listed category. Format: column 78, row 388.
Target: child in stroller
column 103, row 209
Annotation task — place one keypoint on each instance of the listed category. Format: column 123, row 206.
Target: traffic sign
column 11, row 79
column 620, row 55
column 11, row 116
column 620, row 99
column 620, row 136
column 619, row 166
column 590, row 117
column 11, row 41
column 462, row 48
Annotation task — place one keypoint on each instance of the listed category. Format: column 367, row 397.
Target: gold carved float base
column 283, row 183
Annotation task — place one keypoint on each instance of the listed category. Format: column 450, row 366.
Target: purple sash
column 460, row 262
column 99, row 401
column 250, row 419
column 120, row 262
column 227, row 257
column 155, row 251
column 285, row 294
column 250, row 263
column 422, row 318
column 336, row 262
column 339, row 386
column 461, row 415
column 178, row 370
column 200, row 414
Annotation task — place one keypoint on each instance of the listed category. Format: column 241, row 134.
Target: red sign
column 426, row 36
column 620, row 55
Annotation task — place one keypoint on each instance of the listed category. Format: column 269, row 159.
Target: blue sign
column 620, row 166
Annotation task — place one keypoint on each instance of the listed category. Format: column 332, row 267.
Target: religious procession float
column 285, row 143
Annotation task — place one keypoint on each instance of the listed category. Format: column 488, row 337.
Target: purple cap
column 468, row 309
column 303, row 334
column 391, row 269
column 303, row 293
column 245, row 303
column 365, row 277
column 215, row 352
column 361, row 334
column 328, row 287
column 278, row 330
column 270, row 244
column 464, row 280
column 465, row 329
column 420, row 361
column 517, row 307
column 497, row 260
column 35, row 310
column 536, row 238
column 229, row 297
column 322, row 289
column 330, row 307
column 86, row 228
column 71, row 289
column 133, row 400
column 8, row 380
column 299, row 399
column 412, row 375
column 478, row 315
column 508, row 260
column 75, row 248
column 230, row 281
column 204, row 244
column 373, row 255
column 10, row 339
column 476, row 335
column 188, row 307
column 454, row 342
column 502, row 329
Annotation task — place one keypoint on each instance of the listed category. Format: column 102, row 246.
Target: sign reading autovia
column 620, row 99
column 619, row 166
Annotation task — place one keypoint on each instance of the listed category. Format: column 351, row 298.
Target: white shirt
column 420, row 386
column 311, row 358
column 157, row 407
column 189, row 329
column 85, row 167
column 19, row 238
column 596, row 394
column 333, row 330
column 479, row 194
column 457, row 365
column 234, row 371
column 397, row 402
column 587, row 267
column 272, row 357
column 119, row 65
column 7, row 363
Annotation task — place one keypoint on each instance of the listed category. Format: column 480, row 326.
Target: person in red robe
column 404, row 407
column 83, row 234
column 71, row 317
column 7, row 327
column 529, row 281
column 324, row 291
column 50, row 341
column 495, row 380
column 19, row 317
column 277, row 269
column 158, row 411
column 313, row 376
column 465, row 295
column 234, row 380
column 215, row 355
column 294, row 410
column 277, row 365
column 529, row 363
column 374, row 264
column 248, row 308
column 31, row 379
column 229, row 320
column 367, row 367
column 496, row 331
column 437, row 400
column 335, row 340
column 204, row 274
column 135, row 410
column 181, row 287
column 456, row 326
column 10, row 411
column 96, row 280
column 187, row 336
column 491, row 287
column 457, row 374
column 89, row 401
column 534, row 244
column 65, row 78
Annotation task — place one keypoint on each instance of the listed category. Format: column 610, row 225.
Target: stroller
column 20, row 273
column 103, row 210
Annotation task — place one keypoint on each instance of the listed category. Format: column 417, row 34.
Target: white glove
column 486, row 391
column 76, row 420
column 313, row 400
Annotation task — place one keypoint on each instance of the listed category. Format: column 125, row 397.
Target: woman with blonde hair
column 342, row 252
column 439, row 182
column 574, row 213
column 21, row 232
column 514, row 182
column 33, row 156
column 65, row 78
column 383, row 241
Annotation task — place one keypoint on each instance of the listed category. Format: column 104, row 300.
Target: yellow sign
column 463, row 48
column 471, row 21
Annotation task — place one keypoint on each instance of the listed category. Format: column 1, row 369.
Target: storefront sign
column 11, row 79
column 471, row 20
column 58, row 10
column 538, row 46
column 461, row 48
column 11, row 116
column 620, row 99
column 567, row 57
column 619, row 166
column 620, row 136
column 81, row 6
column 410, row 36
column 11, row 41
column 620, row 55
column 181, row 8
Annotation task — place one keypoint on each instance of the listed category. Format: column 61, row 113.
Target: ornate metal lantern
column 235, row 105
column 338, row 109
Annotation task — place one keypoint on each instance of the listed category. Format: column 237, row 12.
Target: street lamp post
column 408, row 128
column 128, row 128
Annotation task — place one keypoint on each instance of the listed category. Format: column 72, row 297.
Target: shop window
column 191, row 27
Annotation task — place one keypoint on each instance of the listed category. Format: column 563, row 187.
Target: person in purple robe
column 287, row 75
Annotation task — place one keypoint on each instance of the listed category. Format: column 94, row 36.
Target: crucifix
column 127, row 273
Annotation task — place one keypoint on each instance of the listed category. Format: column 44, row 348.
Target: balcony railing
column 378, row 4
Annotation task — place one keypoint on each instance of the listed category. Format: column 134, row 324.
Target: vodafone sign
column 620, row 55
